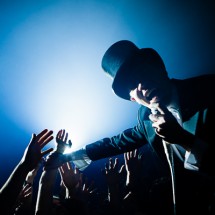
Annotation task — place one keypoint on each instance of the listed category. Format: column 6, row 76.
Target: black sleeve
column 128, row 140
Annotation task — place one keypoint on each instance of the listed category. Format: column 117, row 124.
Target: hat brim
column 134, row 70
column 126, row 78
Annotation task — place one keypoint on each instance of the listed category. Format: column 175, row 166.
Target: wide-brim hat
column 119, row 60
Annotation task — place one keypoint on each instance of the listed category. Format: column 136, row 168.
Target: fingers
column 162, row 108
column 45, row 138
column 66, row 137
column 63, row 133
column 42, row 133
column 64, row 168
column 45, row 134
column 46, row 141
column 69, row 165
column 113, row 163
column 154, row 117
column 70, row 143
column 63, row 136
column 59, row 134
column 138, row 96
column 46, row 152
column 116, row 163
column 122, row 169
column 61, row 171
column 139, row 87
column 130, row 155
column 110, row 163
column 28, row 190
column 67, row 168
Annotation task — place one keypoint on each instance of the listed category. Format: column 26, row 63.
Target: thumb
column 33, row 137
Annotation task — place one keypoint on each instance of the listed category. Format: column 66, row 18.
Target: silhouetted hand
column 33, row 154
column 56, row 158
column 24, row 196
column 132, row 166
column 61, row 140
column 85, row 189
column 131, row 161
column 112, row 173
column 70, row 176
column 138, row 95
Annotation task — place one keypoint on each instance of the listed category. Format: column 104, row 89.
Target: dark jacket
column 197, row 102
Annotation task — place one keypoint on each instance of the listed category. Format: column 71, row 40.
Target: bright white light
column 51, row 74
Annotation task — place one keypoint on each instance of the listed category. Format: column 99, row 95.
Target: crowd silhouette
column 127, row 191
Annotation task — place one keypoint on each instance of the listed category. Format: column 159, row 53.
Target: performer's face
column 153, row 86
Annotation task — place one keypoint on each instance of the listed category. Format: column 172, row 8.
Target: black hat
column 119, row 60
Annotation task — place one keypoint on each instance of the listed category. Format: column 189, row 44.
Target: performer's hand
column 138, row 95
column 165, row 124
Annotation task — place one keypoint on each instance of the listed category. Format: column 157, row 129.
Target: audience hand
column 61, row 140
column 33, row 154
column 70, row 177
column 56, row 158
column 24, row 195
column 132, row 166
column 112, row 173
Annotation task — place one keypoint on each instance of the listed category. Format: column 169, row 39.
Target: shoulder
column 200, row 87
column 196, row 93
column 207, row 80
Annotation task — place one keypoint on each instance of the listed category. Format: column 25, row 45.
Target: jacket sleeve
column 128, row 140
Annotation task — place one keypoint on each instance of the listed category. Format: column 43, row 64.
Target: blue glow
column 50, row 55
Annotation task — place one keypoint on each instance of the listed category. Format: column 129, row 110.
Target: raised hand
column 131, row 160
column 61, row 140
column 70, row 176
column 112, row 172
column 85, row 189
column 132, row 166
column 57, row 158
column 24, row 195
column 33, row 153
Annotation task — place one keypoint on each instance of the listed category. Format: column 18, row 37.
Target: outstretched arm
column 32, row 156
column 48, row 177
column 24, row 200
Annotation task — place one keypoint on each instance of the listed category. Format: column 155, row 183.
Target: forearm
column 25, row 205
column 12, row 187
column 128, row 140
column 45, row 191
